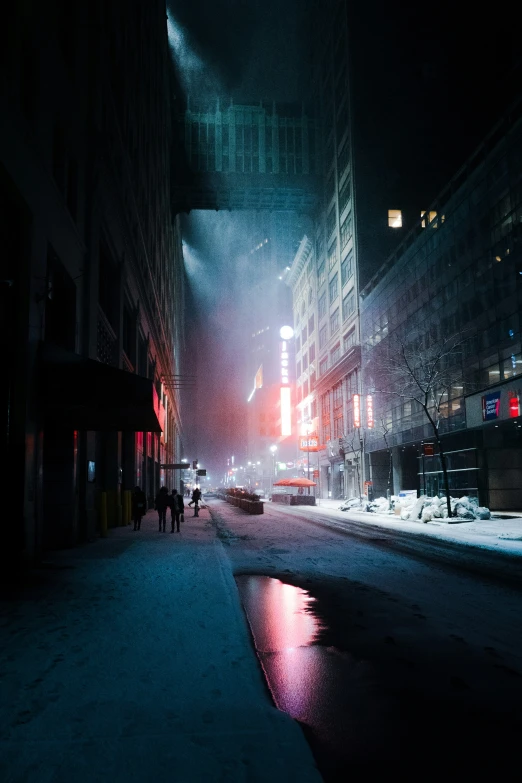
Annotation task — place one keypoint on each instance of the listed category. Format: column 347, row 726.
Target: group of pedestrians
column 164, row 500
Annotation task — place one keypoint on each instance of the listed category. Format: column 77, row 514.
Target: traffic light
column 194, row 464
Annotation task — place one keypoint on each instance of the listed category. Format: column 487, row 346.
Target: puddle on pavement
column 325, row 690
column 362, row 718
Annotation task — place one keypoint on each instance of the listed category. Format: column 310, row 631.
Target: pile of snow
column 424, row 509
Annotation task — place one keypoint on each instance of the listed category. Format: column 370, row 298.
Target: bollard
column 103, row 515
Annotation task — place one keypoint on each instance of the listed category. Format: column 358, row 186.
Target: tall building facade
column 385, row 147
column 92, row 280
column 324, row 273
column 457, row 273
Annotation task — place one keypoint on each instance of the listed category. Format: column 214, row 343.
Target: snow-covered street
column 422, row 656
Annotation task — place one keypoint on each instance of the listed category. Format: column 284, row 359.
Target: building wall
column 462, row 273
column 86, row 153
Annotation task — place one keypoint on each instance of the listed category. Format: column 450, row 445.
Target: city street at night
column 132, row 658
column 260, row 258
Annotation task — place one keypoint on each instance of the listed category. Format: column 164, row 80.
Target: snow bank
column 424, row 509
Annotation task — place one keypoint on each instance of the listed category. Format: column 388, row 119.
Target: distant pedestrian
column 174, row 510
column 161, row 505
column 196, row 497
column 139, row 506
column 181, row 508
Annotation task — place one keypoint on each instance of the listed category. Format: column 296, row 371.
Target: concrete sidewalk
column 129, row 659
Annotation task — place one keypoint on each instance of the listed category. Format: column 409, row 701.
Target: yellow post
column 103, row 515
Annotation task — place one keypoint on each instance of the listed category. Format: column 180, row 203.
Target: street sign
column 176, row 466
column 201, row 472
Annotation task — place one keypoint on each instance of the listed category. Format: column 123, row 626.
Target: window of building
column 334, row 287
column 330, row 221
column 304, row 336
column 310, row 296
column 312, row 382
column 344, row 159
column 344, row 195
column 323, row 365
column 322, row 306
column 394, row 218
column 325, row 416
column 313, row 409
column 299, row 394
column 305, row 361
column 339, row 424
column 335, row 354
column 323, row 336
column 427, row 218
column 298, row 369
column 305, row 389
column 349, row 340
column 346, row 230
column 334, row 321
column 321, row 274
column 297, row 344
column 311, row 324
column 346, row 268
column 348, row 304
column 311, row 353
column 332, row 255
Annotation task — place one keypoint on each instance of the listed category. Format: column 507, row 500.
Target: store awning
column 84, row 394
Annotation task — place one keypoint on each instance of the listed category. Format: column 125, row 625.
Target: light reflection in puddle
column 325, row 690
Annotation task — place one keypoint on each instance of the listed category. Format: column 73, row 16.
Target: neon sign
column 369, row 411
column 356, row 411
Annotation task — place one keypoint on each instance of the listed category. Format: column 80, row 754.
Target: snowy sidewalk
column 499, row 535
column 129, row 659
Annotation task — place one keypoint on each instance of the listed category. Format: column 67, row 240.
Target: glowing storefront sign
column 356, row 411
column 369, row 411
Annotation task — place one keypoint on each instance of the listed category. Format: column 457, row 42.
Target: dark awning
column 84, row 394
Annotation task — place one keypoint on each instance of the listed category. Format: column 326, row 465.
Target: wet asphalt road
column 397, row 661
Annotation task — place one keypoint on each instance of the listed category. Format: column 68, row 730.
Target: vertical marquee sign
column 356, row 411
column 369, row 412
column 286, row 333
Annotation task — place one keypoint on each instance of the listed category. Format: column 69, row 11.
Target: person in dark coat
column 181, row 508
column 161, row 505
column 174, row 510
column 139, row 506
column 196, row 497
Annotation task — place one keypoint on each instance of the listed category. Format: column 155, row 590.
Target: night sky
column 427, row 83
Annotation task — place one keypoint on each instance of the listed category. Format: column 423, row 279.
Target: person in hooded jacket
column 174, row 510
column 181, row 507
column 161, row 505
column 139, row 506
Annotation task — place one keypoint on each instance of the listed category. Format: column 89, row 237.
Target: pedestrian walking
column 174, row 510
column 161, row 505
column 138, row 506
column 196, row 497
column 181, row 508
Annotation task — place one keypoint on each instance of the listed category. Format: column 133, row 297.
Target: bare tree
column 424, row 376
column 355, row 445
column 384, row 429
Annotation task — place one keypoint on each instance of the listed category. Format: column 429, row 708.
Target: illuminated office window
column 394, row 218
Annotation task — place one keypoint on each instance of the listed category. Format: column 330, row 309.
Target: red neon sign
column 514, row 405
column 356, row 411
